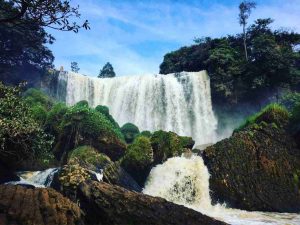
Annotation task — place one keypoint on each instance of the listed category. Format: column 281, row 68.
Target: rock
column 69, row 177
column 138, row 159
column 103, row 203
column 89, row 158
column 20, row 205
column 116, row 175
column 258, row 168
column 168, row 144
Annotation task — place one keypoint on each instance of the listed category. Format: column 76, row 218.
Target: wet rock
column 116, row 175
column 107, row 204
column 258, row 168
column 20, row 205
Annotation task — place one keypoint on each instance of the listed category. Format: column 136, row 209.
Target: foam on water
column 185, row 181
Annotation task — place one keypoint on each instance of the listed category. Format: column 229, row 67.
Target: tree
column 74, row 67
column 53, row 14
column 21, row 137
column 107, row 71
column 245, row 11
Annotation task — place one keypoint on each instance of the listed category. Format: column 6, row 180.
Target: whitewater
column 185, row 181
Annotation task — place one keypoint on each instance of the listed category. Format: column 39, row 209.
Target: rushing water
column 36, row 178
column 185, row 181
column 175, row 102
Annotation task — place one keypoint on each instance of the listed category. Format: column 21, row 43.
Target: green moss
column 89, row 122
column 89, row 155
column 272, row 113
column 130, row 131
column 168, row 144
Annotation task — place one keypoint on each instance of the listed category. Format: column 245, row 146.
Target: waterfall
column 178, row 102
column 185, row 181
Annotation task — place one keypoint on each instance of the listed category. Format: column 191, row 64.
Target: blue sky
column 134, row 35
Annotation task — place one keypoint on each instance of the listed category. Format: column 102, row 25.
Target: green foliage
column 145, row 133
column 272, row 63
column 21, row 137
column 83, row 103
column 272, row 113
column 168, row 144
column 139, row 154
column 39, row 104
column 130, row 131
column 54, row 119
column 107, row 71
column 105, row 111
column 89, row 155
column 290, row 100
column 89, row 122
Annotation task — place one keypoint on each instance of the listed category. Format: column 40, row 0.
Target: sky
column 134, row 35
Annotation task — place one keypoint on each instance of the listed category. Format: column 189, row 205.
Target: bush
column 89, row 157
column 272, row 113
column 36, row 97
column 145, row 133
column 21, row 137
column 105, row 111
column 82, row 103
column 130, row 131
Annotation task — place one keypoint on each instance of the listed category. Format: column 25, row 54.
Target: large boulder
column 258, row 168
column 116, row 175
column 103, row 204
column 20, row 205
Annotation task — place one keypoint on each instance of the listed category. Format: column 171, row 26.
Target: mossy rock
column 82, row 125
column 272, row 113
column 168, row 144
column 138, row 159
column 89, row 158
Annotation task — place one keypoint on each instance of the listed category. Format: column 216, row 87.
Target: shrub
column 130, row 131
column 36, row 97
column 21, row 137
column 145, row 133
column 82, row 103
column 105, row 111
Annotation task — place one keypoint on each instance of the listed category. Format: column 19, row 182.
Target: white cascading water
column 185, row 181
column 176, row 102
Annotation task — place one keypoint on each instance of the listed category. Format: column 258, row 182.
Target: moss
column 89, row 122
column 130, row 131
column 138, row 159
column 272, row 113
column 89, row 155
column 168, row 144
column 139, row 152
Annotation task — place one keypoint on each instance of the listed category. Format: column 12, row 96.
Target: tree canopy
column 107, row 71
column 55, row 14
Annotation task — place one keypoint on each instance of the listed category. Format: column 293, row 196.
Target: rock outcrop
column 106, row 204
column 20, row 206
column 258, row 168
column 116, row 175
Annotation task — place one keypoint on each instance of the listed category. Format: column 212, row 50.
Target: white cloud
column 122, row 30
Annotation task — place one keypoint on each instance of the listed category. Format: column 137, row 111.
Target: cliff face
column 258, row 168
